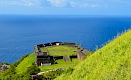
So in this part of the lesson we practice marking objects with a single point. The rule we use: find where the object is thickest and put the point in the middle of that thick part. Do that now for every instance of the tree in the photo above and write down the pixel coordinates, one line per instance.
(32, 70)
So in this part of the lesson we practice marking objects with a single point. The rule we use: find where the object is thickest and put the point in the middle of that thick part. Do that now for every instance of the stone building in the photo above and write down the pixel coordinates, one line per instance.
(44, 58)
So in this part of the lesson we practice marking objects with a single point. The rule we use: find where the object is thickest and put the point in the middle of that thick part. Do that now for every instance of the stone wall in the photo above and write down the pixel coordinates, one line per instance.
(58, 57)
(81, 53)
(70, 44)
(67, 58)
(57, 43)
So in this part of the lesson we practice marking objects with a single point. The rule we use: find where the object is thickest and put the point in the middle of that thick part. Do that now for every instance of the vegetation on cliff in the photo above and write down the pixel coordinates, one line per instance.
(111, 62)
(25, 67)
(19, 72)
(27, 62)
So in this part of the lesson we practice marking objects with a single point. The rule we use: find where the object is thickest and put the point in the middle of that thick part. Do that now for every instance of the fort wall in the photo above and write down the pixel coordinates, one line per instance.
(44, 57)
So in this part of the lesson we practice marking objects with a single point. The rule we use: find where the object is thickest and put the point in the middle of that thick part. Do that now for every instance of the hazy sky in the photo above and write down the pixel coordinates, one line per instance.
(66, 7)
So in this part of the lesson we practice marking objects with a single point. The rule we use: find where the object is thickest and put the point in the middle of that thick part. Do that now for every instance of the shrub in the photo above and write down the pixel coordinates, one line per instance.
(33, 69)
(69, 70)
(52, 74)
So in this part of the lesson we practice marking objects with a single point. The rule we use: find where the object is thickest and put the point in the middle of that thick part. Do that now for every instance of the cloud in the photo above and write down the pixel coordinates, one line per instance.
(27, 2)
(40, 3)
(52, 3)
(73, 4)
(58, 3)
(19, 2)
(94, 5)
(119, 1)
(84, 5)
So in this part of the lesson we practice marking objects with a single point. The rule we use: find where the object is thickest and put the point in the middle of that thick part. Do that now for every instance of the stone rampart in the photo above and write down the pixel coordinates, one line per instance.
(41, 56)
(82, 53)
(70, 44)
(67, 58)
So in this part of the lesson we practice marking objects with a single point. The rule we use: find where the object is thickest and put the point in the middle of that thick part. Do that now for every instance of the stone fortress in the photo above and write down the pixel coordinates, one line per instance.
(44, 58)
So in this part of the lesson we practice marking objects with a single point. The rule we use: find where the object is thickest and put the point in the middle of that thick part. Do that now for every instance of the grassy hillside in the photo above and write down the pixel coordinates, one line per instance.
(113, 62)
(27, 62)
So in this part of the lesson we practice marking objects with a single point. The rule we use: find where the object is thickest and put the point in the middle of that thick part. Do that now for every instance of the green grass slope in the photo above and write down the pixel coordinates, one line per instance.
(27, 62)
(61, 64)
(112, 62)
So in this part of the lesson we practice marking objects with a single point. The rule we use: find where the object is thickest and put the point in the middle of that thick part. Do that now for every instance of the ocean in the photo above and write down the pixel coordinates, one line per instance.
(19, 33)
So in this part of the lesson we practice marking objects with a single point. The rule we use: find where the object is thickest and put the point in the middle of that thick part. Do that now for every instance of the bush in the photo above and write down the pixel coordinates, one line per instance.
(52, 74)
(69, 70)
(10, 74)
(33, 69)
(24, 76)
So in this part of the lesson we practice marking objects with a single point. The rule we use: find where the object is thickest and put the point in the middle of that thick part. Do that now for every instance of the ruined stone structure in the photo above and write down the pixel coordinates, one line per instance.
(44, 58)
(82, 53)
(4, 66)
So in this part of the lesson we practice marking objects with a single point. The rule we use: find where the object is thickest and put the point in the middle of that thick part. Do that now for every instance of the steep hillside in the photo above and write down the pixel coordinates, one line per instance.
(113, 61)
(27, 62)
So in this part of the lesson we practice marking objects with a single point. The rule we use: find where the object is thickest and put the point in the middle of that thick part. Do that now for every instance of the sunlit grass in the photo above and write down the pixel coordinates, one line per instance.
(112, 62)
(61, 64)
(61, 50)
(0, 75)
(43, 49)
(27, 62)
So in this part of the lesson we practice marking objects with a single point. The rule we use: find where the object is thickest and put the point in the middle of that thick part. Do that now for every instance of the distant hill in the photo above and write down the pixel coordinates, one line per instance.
(113, 61)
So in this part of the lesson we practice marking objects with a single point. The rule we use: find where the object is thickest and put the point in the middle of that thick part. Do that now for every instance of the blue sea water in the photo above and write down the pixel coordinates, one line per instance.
(19, 33)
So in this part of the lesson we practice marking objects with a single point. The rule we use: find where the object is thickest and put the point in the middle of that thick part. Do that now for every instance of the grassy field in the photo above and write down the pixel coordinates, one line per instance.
(43, 49)
(61, 64)
(0, 75)
(27, 62)
(60, 50)
(111, 62)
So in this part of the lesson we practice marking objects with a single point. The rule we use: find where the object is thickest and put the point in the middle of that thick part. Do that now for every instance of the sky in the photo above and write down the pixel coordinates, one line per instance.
(66, 7)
